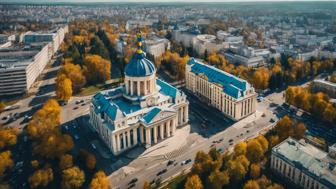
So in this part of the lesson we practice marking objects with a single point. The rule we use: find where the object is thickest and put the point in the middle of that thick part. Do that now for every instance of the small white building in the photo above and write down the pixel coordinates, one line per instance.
(156, 46)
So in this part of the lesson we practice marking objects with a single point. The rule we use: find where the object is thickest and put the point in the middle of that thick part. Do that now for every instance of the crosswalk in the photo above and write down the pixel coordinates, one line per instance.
(179, 151)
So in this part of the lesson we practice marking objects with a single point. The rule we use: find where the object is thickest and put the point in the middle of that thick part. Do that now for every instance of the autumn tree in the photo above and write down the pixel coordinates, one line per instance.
(237, 168)
(65, 161)
(146, 185)
(41, 178)
(54, 145)
(75, 74)
(260, 78)
(240, 149)
(193, 182)
(63, 88)
(218, 179)
(72, 178)
(255, 170)
(6, 162)
(255, 151)
(251, 184)
(99, 181)
(91, 161)
(8, 137)
(284, 127)
(2, 106)
(45, 120)
(97, 69)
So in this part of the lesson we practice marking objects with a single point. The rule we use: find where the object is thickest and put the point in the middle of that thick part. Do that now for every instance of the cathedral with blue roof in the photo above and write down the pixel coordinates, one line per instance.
(143, 111)
(233, 96)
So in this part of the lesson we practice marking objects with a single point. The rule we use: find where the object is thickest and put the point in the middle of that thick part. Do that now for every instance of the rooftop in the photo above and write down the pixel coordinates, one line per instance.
(309, 159)
(232, 85)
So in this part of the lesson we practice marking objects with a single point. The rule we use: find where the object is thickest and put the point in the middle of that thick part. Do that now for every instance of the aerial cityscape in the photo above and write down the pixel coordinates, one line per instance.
(167, 94)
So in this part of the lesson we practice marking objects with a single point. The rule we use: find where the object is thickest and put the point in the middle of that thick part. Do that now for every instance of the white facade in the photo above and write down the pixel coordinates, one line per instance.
(156, 46)
(209, 43)
(20, 68)
(234, 97)
(303, 165)
(144, 111)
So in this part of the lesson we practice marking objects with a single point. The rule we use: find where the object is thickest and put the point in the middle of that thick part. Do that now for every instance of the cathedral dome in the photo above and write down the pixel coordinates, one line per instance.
(139, 66)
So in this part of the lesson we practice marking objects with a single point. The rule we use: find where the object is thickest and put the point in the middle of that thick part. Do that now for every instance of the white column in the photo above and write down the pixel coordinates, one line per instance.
(173, 126)
(185, 116)
(114, 142)
(124, 140)
(148, 136)
(138, 88)
(126, 86)
(155, 134)
(118, 143)
(161, 131)
(145, 87)
(135, 137)
(131, 88)
(142, 135)
(129, 138)
(168, 128)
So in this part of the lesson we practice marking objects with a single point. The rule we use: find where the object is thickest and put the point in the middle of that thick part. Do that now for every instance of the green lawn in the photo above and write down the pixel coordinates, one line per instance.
(89, 90)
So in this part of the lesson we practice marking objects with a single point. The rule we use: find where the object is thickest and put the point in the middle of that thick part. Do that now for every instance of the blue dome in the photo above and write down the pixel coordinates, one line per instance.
(139, 66)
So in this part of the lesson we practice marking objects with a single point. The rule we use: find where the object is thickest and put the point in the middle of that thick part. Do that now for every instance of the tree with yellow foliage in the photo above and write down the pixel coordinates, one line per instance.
(240, 149)
(217, 179)
(237, 168)
(63, 88)
(75, 74)
(54, 145)
(45, 120)
(251, 184)
(260, 78)
(6, 162)
(41, 178)
(99, 181)
(255, 151)
(193, 182)
(97, 69)
(72, 178)
(255, 170)
(8, 137)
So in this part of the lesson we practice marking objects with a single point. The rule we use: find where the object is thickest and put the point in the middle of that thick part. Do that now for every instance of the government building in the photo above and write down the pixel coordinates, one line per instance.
(143, 111)
(231, 95)
(304, 165)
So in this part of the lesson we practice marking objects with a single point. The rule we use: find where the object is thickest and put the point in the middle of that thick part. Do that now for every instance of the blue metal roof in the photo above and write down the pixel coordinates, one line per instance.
(150, 115)
(102, 104)
(139, 66)
(167, 89)
(232, 85)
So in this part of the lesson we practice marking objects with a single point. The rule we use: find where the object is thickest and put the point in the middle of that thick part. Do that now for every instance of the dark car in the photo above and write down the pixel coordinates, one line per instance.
(133, 181)
(170, 162)
(231, 140)
(131, 185)
(188, 161)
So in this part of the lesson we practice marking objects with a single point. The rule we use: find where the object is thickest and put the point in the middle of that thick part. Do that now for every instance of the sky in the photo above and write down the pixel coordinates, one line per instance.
(41, 1)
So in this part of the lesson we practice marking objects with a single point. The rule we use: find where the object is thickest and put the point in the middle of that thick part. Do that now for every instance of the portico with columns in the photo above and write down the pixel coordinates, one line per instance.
(143, 111)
